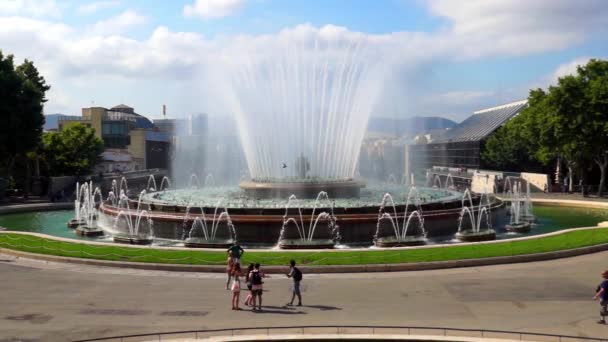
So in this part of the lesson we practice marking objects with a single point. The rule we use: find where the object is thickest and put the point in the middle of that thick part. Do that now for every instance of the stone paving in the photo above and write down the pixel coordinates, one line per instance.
(42, 301)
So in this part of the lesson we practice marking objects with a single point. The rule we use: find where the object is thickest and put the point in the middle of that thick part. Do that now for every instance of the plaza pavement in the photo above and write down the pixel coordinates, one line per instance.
(59, 302)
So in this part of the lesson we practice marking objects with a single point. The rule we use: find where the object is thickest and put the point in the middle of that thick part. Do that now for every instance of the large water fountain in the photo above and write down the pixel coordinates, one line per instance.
(301, 104)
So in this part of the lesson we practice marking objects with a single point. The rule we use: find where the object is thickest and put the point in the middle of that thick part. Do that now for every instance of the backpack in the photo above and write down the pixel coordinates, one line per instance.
(256, 278)
(297, 274)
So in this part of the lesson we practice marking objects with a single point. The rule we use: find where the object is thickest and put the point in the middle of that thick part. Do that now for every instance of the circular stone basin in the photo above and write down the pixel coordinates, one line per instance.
(521, 227)
(472, 236)
(392, 241)
(73, 223)
(89, 231)
(306, 244)
(133, 239)
(199, 242)
(528, 218)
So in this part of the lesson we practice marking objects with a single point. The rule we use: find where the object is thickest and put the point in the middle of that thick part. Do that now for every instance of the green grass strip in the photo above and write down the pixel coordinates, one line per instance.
(568, 240)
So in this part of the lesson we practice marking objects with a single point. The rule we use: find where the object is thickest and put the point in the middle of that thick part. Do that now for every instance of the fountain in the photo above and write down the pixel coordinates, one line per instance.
(151, 185)
(527, 214)
(400, 236)
(131, 232)
(165, 184)
(77, 220)
(306, 234)
(210, 238)
(194, 183)
(517, 224)
(475, 232)
(437, 182)
(85, 207)
(301, 109)
(449, 182)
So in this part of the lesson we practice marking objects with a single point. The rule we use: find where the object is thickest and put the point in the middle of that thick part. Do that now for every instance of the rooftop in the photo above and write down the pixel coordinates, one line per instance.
(482, 123)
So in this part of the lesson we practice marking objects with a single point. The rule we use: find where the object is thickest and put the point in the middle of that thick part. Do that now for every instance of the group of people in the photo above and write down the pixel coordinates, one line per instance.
(253, 278)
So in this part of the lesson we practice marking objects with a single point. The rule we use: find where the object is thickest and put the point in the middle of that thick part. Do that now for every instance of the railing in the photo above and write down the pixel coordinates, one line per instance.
(350, 330)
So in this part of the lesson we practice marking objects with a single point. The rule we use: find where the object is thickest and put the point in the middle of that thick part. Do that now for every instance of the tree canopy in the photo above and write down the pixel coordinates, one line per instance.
(22, 97)
(568, 122)
(73, 151)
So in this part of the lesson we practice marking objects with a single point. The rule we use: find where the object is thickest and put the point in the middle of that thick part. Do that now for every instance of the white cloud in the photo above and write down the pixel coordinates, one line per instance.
(568, 68)
(520, 27)
(33, 8)
(69, 56)
(118, 24)
(207, 9)
(94, 7)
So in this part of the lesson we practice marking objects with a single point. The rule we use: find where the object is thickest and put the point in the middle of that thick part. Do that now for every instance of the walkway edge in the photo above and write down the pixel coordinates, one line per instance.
(420, 266)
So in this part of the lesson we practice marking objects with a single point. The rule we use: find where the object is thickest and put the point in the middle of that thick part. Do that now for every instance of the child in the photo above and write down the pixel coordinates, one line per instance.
(602, 294)
(236, 286)
(249, 299)
(229, 267)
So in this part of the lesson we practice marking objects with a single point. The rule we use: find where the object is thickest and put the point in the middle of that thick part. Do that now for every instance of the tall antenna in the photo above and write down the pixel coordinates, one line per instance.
(164, 112)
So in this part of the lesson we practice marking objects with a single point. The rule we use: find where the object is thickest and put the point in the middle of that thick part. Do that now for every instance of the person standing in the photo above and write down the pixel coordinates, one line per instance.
(296, 275)
(229, 266)
(236, 251)
(256, 286)
(249, 299)
(602, 295)
(236, 286)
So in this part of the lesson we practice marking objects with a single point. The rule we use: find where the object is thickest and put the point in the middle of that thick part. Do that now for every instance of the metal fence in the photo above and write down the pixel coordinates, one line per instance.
(343, 330)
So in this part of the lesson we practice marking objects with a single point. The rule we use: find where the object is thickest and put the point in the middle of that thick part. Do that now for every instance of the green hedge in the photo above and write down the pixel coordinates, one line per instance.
(567, 240)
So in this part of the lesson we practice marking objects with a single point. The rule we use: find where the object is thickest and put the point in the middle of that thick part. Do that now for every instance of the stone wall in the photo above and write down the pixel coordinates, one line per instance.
(484, 182)
(538, 181)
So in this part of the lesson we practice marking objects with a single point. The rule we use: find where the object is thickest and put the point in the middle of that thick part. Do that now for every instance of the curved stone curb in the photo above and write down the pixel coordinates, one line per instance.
(419, 266)
(22, 208)
(348, 337)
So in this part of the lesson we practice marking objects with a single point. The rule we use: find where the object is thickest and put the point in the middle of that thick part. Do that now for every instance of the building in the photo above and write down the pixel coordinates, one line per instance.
(131, 141)
(461, 146)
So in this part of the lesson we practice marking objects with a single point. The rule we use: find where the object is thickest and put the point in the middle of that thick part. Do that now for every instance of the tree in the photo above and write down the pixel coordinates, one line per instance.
(22, 97)
(594, 80)
(508, 149)
(73, 151)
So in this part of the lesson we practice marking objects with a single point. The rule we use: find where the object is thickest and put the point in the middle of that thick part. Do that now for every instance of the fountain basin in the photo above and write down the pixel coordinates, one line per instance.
(199, 242)
(521, 227)
(306, 244)
(89, 231)
(473, 236)
(392, 241)
(133, 239)
(73, 223)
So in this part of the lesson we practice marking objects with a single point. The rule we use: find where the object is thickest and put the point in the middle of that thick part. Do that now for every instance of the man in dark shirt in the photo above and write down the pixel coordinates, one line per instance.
(602, 295)
(296, 275)
(236, 251)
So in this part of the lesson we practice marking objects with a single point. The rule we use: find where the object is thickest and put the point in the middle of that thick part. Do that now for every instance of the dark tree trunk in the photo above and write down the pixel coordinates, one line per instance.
(570, 177)
(28, 178)
(603, 164)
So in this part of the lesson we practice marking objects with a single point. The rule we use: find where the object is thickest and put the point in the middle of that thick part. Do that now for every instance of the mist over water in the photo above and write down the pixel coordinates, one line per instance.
(302, 100)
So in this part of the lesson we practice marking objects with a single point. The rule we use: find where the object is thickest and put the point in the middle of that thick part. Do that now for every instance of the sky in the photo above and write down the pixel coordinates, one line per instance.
(442, 57)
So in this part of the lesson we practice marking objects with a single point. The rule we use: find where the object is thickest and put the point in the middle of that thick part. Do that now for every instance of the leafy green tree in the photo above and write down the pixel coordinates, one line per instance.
(22, 97)
(73, 151)
(567, 123)
(594, 80)
(507, 149)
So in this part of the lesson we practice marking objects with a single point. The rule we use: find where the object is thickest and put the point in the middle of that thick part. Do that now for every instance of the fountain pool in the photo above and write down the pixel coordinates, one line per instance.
(548, 219)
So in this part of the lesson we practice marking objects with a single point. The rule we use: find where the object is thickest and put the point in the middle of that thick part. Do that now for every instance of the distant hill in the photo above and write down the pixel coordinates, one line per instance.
(52, 120)
(408, 126)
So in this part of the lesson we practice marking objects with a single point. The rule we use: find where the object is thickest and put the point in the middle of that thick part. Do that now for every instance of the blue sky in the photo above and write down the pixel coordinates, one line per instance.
(448, 58)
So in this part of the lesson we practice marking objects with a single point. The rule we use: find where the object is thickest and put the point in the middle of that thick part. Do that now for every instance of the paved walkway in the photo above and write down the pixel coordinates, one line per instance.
(57, 302)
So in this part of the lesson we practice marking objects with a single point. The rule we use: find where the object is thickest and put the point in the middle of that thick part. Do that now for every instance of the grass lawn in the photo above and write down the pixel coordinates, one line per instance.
(567, 240)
